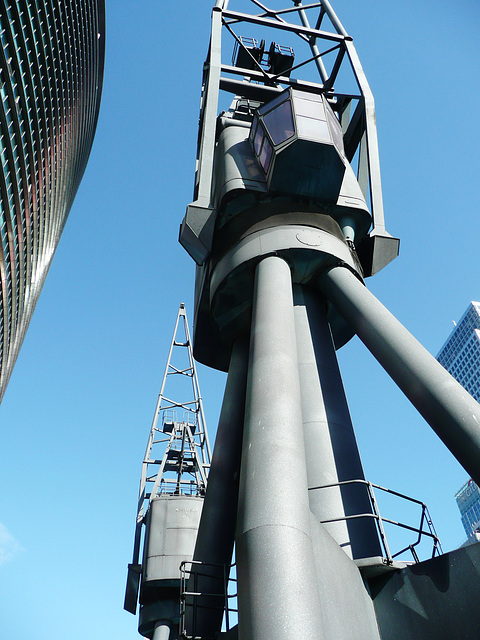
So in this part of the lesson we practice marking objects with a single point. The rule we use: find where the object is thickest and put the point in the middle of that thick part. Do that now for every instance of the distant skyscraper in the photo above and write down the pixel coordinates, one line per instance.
(51, 71)
(468, 501)
(460, 355)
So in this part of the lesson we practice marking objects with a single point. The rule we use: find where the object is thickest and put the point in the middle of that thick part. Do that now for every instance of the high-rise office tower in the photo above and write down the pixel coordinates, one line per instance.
(468, 501)
(51, 72)
(460, 355)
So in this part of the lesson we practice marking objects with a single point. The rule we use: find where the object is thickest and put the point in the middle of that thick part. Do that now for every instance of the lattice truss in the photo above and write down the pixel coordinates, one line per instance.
(314, 43)
(271, 49)
(177, 457)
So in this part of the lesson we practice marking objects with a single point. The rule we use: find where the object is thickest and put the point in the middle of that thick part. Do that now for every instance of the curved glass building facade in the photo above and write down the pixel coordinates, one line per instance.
(51, 72)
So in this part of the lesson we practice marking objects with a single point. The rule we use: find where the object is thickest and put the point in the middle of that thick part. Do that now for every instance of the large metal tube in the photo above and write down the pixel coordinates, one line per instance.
(451, 412)
(162, 632)
(330, 444)
(216, 532)
(277, 585)
(315, 50)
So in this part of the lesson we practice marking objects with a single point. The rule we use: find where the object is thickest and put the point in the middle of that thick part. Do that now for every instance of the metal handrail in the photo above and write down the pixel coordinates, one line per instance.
(420, 530)
(188, 589)
(185, 576)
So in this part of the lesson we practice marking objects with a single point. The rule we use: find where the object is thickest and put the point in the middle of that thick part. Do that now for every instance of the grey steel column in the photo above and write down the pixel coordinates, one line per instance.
(451, 412)
(216, 532)
(330, 444)
(277, 586)
(162, 632)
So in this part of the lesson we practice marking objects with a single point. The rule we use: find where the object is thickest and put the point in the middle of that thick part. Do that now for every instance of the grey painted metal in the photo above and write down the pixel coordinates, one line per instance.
(370, 125)
(320, 456)
(209, 112)
(307, 250)
(173, 483)
(372, 142)
(295, 578)
(197, 230)
(271, 91)
(162, 632)
(303, 161)
(161, 612)
(333, 17)
(347, 609)
(197, 226)
(314, 47)
(369, 160)
(318, 247)
(277, 584)
(434, 600)
(452, 413)
(239, 169)
(197, 441)
(171, 531)
(216, 532)
(283, 26)
(331, 449)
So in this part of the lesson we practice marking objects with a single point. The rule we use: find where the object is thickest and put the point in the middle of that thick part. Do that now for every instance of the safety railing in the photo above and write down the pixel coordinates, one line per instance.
(425, 529)
(195, 575)
(171, 487)
(193, 598)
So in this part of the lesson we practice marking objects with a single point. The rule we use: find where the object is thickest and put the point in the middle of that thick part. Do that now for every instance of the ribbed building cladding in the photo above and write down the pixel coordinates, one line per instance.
(460, 355)
(468, 501)
(51, 71)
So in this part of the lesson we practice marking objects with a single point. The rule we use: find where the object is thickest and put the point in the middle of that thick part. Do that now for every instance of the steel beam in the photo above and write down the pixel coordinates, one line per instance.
(451, 412)
(236, 16)
(331, 448)
(216, 531)
(277, 584)
(162, 632)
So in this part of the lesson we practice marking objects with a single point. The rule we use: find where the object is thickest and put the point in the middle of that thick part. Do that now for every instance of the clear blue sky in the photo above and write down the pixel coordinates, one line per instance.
(77, 411)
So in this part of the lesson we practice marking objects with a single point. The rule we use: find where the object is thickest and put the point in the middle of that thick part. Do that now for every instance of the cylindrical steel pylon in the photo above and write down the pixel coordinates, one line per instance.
(216, 533)
(450, 410)
(277, 585)
(330, 445)
(277, 201)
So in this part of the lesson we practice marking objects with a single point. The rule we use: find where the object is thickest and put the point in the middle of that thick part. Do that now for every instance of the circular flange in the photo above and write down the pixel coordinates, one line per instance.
(307, 250)
(309, 237)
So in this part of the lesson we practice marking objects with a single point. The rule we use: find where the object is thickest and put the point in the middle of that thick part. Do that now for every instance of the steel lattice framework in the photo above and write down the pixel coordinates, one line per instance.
(285, 225)
(175, 465)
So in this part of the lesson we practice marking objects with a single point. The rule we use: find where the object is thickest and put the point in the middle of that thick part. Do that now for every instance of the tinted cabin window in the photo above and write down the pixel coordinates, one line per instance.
(279, 123)
(266, 154)
(258, 139)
